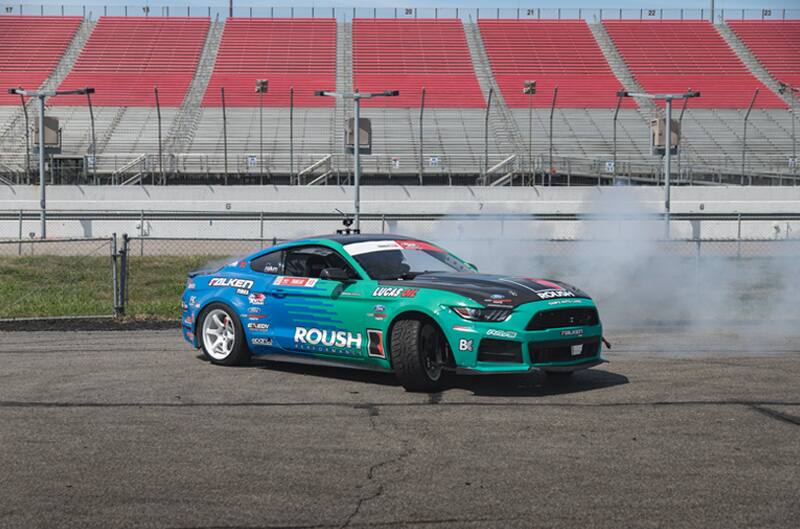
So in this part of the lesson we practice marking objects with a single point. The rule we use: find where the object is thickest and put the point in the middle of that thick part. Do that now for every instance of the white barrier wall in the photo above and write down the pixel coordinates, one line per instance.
(618, 202)
(405, 200)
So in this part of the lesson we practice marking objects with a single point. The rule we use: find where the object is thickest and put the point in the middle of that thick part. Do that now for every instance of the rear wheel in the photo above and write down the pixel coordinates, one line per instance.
(222, 336)
(418, 352)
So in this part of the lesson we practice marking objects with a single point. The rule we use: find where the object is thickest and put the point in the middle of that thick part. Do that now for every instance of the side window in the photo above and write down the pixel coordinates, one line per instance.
(310, 261)
(269, 263)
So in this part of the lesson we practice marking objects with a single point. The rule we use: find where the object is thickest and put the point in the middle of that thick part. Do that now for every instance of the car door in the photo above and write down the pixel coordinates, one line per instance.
(260, 320)
(318, 316)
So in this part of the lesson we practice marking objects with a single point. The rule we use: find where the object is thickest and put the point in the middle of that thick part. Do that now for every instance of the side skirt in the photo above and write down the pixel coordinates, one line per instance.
(310, 360)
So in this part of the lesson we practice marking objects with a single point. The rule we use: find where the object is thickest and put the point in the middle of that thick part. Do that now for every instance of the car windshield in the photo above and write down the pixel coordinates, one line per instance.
(403, 259)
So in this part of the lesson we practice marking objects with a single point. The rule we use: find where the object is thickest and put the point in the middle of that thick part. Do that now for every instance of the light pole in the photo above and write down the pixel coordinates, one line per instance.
(550, 148)
(27, 139)
(89, 92)
(529, 89)
(668, 99)
(486, 138)
(357, 97)
(421, 110)
(744, 136)
(42, 95)
(160, 157)
(262, 85)
(620, 95)
(792, 91)
(224, 133)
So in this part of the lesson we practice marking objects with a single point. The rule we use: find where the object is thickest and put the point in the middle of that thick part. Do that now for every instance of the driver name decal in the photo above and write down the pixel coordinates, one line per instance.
(288, 281)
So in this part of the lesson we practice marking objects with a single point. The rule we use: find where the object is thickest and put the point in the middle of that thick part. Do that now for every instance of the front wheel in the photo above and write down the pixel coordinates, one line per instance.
(222, 336)
(418, 352)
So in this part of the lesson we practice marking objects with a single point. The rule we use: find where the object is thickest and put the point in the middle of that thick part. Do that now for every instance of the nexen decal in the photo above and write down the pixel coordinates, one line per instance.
(550, 294)
(230, 282)
(328, 338)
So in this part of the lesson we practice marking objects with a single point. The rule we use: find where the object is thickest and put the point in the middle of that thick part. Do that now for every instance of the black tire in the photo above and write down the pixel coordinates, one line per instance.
(238, 353)
(417, 349)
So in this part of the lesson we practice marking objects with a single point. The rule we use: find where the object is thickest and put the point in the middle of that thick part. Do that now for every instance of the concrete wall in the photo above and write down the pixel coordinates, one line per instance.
(617, 201)
(398, 199)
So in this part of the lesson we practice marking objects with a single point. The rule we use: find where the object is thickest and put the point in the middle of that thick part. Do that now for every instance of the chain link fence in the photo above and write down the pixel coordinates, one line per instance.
(631, 277)
(58, 278)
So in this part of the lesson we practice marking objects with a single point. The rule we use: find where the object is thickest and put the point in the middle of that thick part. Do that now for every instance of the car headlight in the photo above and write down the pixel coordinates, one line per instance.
(471, 314)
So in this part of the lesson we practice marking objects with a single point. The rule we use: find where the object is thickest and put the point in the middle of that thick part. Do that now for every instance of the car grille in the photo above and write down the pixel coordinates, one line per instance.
(572, 317)
(492, 350)
(561, 353)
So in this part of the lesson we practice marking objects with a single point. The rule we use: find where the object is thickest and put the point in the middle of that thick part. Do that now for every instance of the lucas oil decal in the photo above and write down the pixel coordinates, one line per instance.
(394, 292)
(287, 281)
(327, 340)
(230, 282)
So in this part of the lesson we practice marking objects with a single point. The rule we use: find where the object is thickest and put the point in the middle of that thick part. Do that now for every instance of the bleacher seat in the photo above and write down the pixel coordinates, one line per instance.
(776, 45)
(561, 53)
(299, 53)
(407, 55)
(674, 55)
(30, 48)
(126, 57)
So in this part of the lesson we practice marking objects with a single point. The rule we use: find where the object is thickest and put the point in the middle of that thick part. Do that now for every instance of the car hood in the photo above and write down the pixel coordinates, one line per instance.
(493, 290)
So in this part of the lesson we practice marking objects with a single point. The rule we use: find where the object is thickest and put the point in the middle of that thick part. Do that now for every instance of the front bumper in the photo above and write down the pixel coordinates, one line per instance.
(509, 347)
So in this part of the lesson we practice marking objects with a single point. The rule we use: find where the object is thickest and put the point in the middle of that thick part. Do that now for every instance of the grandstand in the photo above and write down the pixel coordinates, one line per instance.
(459, 63)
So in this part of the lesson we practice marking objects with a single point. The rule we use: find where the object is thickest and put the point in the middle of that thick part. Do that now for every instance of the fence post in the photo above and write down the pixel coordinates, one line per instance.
(19, 246)
(738, 235)
(114, 277)
(123, 281)
(261, 229)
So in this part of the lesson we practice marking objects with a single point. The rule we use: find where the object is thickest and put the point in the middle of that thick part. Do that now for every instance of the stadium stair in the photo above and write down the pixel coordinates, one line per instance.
(184, 127)
(503, 126)
(746, 56)
(69, 32)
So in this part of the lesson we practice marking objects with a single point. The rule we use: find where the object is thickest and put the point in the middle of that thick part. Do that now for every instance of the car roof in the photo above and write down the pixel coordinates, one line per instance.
(345, 239)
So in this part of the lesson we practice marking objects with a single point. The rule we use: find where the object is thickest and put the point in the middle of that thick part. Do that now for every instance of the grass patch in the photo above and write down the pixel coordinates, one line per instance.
(52, 286)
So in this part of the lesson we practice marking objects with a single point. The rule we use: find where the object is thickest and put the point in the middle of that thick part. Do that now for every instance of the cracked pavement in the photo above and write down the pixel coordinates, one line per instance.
(683, 428)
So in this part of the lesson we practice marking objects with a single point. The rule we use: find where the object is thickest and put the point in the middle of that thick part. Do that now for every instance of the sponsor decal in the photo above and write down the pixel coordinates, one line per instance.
(465, 345)
(189, 336)
(188, 320)
(184, 306)
(572, 332)
(379, 308)
(550, 294)
(498, 301)
(395, 292)
(351, 294)
(242, 264)
(576, 350)
(190, 285)
(327, 340)
(256, 298)
(243, 291)
(258, 326)
(501, 334)
(375, 343)
(192, 300)
(288, 281)
(418, 245)
(234, 282)
(358, 248)
(270, 269)
(254, 310)
(256, 316)
(564, 301)
(262, 341)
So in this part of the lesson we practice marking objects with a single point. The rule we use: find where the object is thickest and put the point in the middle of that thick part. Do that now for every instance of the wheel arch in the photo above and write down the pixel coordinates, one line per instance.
(201, 313)
(415, 314)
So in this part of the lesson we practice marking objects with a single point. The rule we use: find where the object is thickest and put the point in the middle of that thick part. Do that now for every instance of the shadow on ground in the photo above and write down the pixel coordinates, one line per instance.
(534, 384)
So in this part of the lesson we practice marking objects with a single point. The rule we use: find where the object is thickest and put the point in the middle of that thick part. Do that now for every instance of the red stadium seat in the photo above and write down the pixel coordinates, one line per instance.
(126, 57)
(297, 52)
(407, 55)
(30, 48)
(776, 45)
(560, 53)
(674, 55)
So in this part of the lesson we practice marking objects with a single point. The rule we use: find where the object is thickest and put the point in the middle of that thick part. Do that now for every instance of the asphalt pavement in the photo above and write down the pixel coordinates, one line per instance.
(695, 428)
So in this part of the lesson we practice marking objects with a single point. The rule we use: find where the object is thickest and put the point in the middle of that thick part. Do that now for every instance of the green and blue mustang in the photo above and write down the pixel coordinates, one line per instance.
(388, 303)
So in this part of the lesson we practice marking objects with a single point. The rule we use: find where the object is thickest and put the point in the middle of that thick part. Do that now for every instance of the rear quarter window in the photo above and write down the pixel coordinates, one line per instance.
(268, 263)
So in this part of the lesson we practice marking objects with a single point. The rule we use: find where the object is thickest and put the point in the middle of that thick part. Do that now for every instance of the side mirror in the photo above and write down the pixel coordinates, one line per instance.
(334, 274)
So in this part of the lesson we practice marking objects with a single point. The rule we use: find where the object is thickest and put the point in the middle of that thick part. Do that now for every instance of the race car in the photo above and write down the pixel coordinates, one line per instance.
(387, 303)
